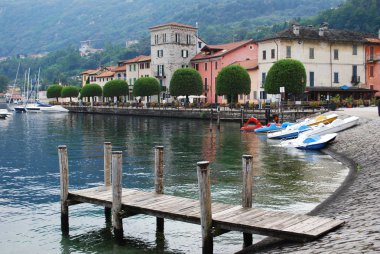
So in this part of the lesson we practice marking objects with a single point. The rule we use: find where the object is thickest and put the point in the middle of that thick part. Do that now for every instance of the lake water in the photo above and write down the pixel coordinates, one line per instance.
(284, 179)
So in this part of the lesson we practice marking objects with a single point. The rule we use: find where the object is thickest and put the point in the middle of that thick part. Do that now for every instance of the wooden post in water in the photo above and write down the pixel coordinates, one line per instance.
(117, 222)
(107, 174)
(64, 173)
(247, 164)
(204, 184)
(218, 118)
(159, 181)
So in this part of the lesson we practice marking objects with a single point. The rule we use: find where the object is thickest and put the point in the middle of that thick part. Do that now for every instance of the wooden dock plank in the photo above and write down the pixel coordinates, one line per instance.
(226, 217)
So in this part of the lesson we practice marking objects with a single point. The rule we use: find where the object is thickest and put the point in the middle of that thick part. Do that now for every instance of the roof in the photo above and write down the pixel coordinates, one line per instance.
(312, 33)
(211, 51)
(173, 24)
(106, 74)
(248, 64)
(120, 68)
(373, 40)
(137, 59)
(90, 72)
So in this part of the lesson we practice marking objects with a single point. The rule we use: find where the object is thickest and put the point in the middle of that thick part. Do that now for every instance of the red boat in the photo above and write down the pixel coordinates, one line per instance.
(251, 125)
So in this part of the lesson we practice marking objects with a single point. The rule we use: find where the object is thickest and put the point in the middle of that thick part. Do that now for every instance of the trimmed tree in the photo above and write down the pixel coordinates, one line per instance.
(69, 91)
(231, 81)
(146, 86)
(115, 88)
(288, 73)
(90, 91)
(186, 82)
(54, 91)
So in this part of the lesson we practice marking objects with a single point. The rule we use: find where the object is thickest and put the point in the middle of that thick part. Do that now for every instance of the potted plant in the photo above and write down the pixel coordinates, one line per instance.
(349, 101)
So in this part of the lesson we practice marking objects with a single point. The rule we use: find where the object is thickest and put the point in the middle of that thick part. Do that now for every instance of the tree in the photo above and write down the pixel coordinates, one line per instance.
(146, 86)
(115, 88)
(288, 73)
(90, 91)
(3, 83)
(231, 81)
(54, 91)
(186, 82)
(69, 91)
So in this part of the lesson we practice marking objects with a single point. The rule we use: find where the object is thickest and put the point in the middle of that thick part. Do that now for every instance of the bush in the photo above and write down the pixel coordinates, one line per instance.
(115, 88)
(186, 82)
(91, 90)
(54, 91)
(288, 73)
(69, 91)
(233, 80)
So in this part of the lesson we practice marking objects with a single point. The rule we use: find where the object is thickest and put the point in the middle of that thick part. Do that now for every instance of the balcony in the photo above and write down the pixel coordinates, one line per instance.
(355, 80)
(159, 75)
(373, 58)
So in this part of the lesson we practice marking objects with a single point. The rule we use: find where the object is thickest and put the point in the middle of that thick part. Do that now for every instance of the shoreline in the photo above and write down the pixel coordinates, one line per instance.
(355, 201)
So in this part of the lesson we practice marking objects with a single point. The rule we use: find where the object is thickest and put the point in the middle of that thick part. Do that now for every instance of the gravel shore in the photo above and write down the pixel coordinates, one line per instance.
(357, 201)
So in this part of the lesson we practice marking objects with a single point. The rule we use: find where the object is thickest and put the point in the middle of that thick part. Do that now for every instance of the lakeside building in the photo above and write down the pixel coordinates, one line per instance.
(333, 59)
(102, 75)
(136, 68)
(372, 49)
(212, 58)
(172, 47)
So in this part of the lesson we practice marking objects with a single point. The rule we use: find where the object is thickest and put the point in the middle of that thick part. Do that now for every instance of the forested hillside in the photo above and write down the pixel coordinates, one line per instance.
(33, 26)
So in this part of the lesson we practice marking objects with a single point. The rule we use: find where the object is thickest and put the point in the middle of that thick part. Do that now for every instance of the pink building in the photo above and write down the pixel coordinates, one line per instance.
(213, 58)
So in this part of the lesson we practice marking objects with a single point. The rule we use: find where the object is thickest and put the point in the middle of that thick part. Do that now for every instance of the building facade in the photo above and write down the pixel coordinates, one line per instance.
(172, 47)
(372, 57)
(136, 68)
(332, 58)
(213, 58)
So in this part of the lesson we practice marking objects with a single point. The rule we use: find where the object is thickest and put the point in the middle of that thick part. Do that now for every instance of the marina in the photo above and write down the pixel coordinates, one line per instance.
(30, 186)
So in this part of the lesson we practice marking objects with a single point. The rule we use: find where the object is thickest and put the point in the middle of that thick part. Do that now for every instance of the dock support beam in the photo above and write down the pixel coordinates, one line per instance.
(107, 174)
(64, 173)
(247, 163)
(159, 181)
(204, 183)
(117, 222)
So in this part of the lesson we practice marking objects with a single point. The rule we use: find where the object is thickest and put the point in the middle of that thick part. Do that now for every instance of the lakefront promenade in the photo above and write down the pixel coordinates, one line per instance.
(356, 201)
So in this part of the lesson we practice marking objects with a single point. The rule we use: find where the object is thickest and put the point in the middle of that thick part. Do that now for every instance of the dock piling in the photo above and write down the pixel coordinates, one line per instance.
(159, 181)
(107, 173)
(64, 181)
(117, 223)
(203, 173)
(247, 164)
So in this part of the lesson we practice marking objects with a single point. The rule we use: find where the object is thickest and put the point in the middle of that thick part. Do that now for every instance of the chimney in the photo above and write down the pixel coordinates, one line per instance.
(296, 29)
(320, 32)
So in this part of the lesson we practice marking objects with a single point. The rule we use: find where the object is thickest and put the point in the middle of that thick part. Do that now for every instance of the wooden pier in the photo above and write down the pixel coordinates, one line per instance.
(215, 218)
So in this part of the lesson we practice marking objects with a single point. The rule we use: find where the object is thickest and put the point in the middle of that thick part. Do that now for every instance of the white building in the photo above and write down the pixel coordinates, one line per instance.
(332, 58)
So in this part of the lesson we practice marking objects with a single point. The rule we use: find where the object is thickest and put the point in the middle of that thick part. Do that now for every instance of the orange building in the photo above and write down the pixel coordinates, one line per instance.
(372, 57)
(213, 58)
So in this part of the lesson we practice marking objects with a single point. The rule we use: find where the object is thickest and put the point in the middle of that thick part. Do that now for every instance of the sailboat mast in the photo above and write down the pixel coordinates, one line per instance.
(38, 82)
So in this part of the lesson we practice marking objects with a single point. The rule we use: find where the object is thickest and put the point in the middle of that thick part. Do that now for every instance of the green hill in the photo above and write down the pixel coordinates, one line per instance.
(47, 25)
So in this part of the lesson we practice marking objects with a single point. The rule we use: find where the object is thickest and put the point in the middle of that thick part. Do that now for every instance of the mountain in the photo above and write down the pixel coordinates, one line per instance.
(35, 26)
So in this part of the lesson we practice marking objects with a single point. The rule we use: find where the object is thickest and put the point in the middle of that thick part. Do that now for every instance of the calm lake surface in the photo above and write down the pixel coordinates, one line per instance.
(289, 180)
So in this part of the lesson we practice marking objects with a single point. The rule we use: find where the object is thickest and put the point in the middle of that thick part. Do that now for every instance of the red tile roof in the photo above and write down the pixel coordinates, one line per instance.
(90, 72)
(373, 40)
(137, 59)
(120, 68)
(106, 74)
(248, 64)
(211, 51)
(173, 24)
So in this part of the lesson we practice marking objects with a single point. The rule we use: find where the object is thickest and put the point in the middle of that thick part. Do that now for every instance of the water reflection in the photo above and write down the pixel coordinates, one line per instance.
(29, 180)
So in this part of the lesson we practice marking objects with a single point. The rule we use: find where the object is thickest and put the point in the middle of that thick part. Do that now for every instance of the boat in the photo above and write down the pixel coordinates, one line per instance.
(322, 119)
(289, 132)
(312, 142)
(4, 113)
(251, 125)
(47, 108)
(272, 127)
(336, 126)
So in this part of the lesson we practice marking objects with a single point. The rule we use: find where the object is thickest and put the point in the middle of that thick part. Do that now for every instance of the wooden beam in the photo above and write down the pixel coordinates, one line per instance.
(247, 163)
(107, 174)
(159, 181)
(203, 173)
(117, 223)
(64, 179)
